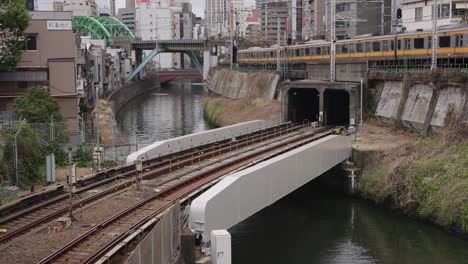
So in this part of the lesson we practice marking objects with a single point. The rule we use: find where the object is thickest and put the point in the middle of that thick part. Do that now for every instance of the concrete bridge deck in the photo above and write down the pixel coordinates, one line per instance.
(246, 192)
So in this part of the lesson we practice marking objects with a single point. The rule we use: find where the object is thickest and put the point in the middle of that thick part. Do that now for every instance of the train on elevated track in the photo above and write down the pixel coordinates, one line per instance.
(398, 49)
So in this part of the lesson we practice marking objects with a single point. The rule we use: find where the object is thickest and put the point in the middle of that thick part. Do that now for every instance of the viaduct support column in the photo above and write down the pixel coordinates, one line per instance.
(206, 63)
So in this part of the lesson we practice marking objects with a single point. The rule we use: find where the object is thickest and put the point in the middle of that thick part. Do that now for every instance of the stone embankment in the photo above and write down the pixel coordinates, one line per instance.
(240, 96)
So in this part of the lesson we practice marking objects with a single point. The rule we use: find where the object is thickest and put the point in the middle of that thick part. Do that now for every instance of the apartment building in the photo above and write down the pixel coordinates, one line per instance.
(48, 60)
(417, 14)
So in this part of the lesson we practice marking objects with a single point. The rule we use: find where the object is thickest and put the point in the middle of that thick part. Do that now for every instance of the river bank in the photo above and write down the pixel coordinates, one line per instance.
(220, 111)
(423, 177)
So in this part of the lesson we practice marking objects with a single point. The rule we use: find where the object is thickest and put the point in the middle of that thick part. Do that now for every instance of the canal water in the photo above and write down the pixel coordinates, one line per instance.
(172, 111)
(311, 225)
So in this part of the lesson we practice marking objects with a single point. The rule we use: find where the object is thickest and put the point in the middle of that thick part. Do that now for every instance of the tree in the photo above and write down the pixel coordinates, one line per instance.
(31, 153)
(40, 109)
(37, 106)
(14, 19)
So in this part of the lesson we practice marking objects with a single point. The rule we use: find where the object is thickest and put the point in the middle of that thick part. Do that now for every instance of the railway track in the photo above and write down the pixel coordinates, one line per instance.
(91, 246)
(24, 221)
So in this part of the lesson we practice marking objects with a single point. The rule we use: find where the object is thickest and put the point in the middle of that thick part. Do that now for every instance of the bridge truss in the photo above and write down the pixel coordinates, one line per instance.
(104, 27)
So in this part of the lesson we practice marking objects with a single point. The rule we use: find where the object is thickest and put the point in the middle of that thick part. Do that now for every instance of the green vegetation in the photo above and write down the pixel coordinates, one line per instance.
(211, 112)
(31, 161)
(433, 187)
(37, 109)
(14, 19)
(84, 157)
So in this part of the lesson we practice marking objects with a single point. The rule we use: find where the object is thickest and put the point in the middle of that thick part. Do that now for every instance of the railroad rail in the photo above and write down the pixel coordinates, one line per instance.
(24, 221)
(91, 247)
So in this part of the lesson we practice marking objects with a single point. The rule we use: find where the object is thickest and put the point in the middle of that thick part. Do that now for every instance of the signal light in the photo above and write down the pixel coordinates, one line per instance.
(399, 15)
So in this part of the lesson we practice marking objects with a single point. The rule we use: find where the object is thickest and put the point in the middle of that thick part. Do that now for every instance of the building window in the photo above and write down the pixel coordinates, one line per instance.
(418, 14)
(444, 11)
(30, 5)
(31, 42)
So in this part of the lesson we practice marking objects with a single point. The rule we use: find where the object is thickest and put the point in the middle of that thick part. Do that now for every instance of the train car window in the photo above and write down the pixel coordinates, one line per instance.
(368, 47)
(458, 40)
(359, 47)
(327, 51)
(385, 45)
(318, 51)
(392, 45)
(444, 42)
(376, 46)
(429, 42)
(344, 48)
(307, 51)
(272, 54)
(399, 44)
(408, 44)
(419, 43)
(297, 52)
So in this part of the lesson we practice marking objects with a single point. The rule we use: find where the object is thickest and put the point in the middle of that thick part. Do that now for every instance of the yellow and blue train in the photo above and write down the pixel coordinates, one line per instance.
(452, 49)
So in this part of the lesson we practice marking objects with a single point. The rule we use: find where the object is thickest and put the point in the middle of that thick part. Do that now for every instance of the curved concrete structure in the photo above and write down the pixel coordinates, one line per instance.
(182, 143)
(244, 193)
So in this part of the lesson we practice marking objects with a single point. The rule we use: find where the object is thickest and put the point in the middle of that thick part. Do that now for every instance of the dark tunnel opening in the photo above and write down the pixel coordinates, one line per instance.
(303, 104)
(336, 107)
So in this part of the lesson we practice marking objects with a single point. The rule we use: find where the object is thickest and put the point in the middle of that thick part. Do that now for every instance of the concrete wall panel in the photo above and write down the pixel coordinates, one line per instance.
(244, 193)
(450, 98)
(389, 100)
(417, 104)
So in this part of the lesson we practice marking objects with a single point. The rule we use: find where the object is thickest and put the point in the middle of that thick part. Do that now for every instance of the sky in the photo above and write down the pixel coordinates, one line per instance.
(198, 6)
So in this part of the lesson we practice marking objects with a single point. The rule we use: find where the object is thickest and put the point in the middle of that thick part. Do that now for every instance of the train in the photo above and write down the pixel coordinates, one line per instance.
(416, 46)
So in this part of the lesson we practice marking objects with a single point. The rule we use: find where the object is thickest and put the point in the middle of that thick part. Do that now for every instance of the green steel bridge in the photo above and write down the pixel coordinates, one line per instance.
(102, 27)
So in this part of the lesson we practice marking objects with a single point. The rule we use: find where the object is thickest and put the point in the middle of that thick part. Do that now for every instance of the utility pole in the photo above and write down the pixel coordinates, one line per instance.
(332, 9)
(435, 16)
(231, 31)
(266, 21)
(382, 18)
(98, 144)
(278, 40)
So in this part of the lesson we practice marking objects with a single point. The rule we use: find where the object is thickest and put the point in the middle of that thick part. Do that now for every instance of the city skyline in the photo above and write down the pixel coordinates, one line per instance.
(198, 6)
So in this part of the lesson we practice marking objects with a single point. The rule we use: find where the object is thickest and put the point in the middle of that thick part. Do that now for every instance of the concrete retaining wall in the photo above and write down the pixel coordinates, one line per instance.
(345, 72)
(126, 93)
(246, 192)
(182, 143)
(235, 84)
(422, 107)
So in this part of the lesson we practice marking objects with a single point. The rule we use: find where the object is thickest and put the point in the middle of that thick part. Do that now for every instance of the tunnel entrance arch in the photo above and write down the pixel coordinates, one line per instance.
(303, 104)
(336, 107)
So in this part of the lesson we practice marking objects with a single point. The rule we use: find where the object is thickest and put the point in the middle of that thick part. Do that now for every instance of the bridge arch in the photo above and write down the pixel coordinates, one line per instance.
(104, 27)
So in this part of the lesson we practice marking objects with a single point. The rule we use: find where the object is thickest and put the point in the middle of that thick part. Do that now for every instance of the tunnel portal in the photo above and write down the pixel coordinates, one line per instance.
(336, 107)
(303, 104)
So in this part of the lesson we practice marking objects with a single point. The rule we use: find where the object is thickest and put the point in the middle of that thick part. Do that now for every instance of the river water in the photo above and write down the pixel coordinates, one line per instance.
(311, 225)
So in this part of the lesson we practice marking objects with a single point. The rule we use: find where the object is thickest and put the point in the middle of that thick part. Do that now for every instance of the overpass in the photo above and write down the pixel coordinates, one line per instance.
(169, 75)
(186, 46)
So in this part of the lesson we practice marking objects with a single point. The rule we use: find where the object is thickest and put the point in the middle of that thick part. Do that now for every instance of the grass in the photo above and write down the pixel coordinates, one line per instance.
(211, 111)
(433, 187)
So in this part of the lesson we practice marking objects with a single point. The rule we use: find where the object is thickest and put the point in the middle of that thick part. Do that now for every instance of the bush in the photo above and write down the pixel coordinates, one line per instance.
(84, 156)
